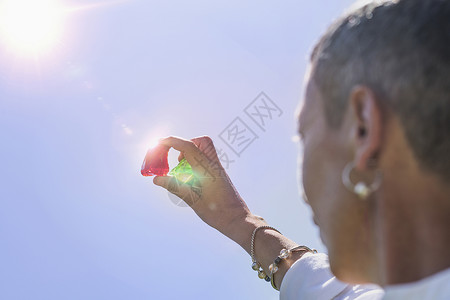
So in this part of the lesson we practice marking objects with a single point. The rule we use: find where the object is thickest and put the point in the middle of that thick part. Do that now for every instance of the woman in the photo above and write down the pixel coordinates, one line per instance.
(375, 125)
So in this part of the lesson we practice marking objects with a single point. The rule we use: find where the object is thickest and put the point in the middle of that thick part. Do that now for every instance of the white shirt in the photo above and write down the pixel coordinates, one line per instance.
(310, 278)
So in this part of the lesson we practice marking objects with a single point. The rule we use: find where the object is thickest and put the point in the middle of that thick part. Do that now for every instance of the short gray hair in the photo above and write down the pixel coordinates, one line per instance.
(401, 50)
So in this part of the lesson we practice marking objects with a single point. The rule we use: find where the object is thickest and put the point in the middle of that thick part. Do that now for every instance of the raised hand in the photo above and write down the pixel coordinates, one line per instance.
(212, 196)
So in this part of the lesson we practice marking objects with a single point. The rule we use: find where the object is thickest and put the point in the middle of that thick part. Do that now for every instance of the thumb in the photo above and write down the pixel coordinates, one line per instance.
(162, 181)
(190, 194)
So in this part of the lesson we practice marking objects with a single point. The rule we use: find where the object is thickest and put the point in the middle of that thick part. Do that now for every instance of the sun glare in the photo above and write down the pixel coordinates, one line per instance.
(30, 26)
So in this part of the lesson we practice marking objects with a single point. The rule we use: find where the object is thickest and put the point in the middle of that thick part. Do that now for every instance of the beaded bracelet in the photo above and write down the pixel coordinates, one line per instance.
(273, 268)
(255, 265)
(284, 254)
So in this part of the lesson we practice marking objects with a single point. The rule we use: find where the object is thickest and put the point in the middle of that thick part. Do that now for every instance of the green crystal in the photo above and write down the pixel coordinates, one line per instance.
(183, 172)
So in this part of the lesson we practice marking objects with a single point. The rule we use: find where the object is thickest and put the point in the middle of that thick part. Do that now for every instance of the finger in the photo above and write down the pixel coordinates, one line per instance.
(206, 145)
(164, 182)
(188, 148)
(189, 194)
(200, 162)
(180, 156)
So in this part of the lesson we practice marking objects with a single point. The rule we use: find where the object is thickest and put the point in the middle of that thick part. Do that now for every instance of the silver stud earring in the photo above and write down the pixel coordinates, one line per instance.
(361, 189)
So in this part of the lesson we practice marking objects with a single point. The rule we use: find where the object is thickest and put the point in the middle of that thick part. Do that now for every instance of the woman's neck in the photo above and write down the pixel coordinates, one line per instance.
(413, 230)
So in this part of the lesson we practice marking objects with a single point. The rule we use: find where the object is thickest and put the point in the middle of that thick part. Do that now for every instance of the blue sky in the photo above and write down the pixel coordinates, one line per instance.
(77, 220)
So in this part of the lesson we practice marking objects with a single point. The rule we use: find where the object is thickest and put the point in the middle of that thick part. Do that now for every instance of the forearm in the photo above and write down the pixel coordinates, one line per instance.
(268, 244)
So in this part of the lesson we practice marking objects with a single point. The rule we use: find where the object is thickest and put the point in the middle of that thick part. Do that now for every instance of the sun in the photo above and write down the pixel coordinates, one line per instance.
(30, 26)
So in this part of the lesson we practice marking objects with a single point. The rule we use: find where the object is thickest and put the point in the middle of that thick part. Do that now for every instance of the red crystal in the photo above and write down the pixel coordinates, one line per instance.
(155, 162)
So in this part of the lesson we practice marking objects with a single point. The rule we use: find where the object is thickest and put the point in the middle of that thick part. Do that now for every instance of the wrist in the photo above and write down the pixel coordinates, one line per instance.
(267, 245)
(241, 227)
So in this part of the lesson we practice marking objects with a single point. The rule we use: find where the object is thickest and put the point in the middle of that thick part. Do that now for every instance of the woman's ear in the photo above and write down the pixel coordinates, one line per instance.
(368, 127)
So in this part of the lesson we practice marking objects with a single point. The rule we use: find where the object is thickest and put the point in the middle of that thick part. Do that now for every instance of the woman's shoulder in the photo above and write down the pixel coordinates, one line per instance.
(310, 278)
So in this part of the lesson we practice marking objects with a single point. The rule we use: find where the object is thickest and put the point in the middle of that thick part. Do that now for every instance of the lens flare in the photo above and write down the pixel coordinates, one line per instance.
(35, 27)
(30, 26)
